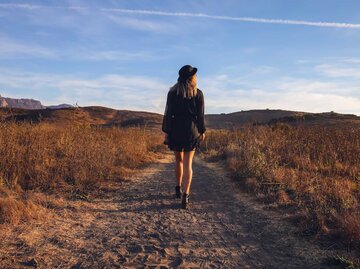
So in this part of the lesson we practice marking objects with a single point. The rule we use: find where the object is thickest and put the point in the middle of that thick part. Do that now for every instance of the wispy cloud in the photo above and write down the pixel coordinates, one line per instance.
(141, 24)
(334, 67)
(224, 93)
(339, 70)
(320, 86)
(193, 15)
(352, 60)
(112, 90)
(110, 55)
(229, 18)
(32, 6)
(231, 100)
(11, 48)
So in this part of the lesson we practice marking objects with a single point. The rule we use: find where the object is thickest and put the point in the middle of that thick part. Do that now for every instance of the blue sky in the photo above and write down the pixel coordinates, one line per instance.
(251, 54)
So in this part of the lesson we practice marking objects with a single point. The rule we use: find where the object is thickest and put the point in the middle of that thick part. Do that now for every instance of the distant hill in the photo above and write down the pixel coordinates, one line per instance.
(219, 121)
(325, 118)
(59, 106)
(93, 115)
(103, 116)
(268, 116)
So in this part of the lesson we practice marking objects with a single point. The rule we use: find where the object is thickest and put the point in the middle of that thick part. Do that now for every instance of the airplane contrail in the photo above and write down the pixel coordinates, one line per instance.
(229, 18)
(194, 15)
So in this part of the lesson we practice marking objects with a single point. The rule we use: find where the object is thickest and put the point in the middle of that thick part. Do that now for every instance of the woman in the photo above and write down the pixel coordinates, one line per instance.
(184, 126)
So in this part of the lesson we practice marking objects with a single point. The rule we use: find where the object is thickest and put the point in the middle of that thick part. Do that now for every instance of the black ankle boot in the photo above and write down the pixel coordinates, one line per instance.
(185, 201)
(177, 192)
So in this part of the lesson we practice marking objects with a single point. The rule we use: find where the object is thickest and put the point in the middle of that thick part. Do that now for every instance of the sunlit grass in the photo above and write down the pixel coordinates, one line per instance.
(52, 159)
(315, 168)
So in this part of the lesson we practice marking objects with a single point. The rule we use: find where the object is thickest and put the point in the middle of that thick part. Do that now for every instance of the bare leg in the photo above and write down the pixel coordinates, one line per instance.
(179, 157)
(188, 158)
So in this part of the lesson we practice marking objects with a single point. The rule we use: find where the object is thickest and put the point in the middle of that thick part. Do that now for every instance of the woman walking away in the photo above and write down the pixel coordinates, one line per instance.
(184, 126)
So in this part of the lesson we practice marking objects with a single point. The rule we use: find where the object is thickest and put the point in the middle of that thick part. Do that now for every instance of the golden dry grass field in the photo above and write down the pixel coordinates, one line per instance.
(315, 169)
(70, 160)
(311, 171)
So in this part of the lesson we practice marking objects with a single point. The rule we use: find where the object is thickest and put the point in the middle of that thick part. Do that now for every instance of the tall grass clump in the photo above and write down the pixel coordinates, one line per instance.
(316, 168)
(50, 158)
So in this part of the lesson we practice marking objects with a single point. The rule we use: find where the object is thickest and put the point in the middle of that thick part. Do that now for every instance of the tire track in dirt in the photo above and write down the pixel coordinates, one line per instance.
(139, 224)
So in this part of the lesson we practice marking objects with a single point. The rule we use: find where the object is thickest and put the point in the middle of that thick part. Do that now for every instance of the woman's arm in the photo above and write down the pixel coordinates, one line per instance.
(166, 124)
(200, 110)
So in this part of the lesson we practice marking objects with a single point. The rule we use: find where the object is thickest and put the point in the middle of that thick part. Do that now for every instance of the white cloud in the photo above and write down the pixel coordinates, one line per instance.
(351, 60)
(306, 86)
(117, 91)
(223, 92)
(317, 102)
(229, 18)
(263, 69)
(141, 24)
(294, 101)
(110, 55)
(311, 95)
(331, 70)
(10, 48)
(33, 7)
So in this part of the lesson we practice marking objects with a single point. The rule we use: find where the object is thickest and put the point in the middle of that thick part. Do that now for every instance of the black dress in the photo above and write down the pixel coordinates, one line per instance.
(184, 121)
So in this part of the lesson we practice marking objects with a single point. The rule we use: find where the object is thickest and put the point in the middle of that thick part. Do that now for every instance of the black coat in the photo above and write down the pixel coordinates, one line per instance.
(184, 119)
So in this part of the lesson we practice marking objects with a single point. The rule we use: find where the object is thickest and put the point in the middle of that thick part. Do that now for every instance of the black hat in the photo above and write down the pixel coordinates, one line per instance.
(186, 72)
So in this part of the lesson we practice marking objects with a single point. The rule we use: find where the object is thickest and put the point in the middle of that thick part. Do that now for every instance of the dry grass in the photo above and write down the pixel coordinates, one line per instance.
(51, 159)
(315, 168)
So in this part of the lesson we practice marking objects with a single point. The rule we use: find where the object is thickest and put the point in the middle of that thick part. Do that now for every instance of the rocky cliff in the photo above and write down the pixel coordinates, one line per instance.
(20, 103)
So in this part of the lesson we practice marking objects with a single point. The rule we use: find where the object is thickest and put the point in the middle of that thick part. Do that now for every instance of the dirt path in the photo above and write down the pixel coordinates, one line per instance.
(139, 224)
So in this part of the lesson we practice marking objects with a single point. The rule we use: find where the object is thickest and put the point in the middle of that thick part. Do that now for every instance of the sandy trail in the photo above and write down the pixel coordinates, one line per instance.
(139, 224)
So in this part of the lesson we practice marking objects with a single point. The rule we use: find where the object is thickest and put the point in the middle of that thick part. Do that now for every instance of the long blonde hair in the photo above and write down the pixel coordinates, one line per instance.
(187, 89)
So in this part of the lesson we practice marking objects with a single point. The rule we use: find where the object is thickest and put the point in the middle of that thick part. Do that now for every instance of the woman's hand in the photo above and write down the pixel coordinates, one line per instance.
(202, 137)
(166, 139)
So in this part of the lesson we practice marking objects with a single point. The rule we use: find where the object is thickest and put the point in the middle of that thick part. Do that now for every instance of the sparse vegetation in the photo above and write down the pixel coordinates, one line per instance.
(314, 168)
(52, 159)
